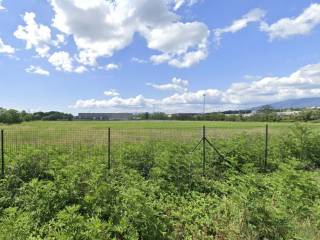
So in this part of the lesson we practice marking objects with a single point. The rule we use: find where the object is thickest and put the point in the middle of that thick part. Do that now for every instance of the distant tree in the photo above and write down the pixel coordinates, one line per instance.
(52, 116)
(146, 116)
(10, 116)
(26, 117)
(266, 109)
(37, 116)
(158, 116)
(266, 114)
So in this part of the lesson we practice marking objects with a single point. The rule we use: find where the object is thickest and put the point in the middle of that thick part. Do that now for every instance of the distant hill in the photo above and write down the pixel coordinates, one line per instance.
(296, 103)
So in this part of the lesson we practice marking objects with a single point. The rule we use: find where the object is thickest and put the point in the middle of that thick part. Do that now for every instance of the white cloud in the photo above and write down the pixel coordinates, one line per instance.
(1, 6)
(80, 69)
(179, 3)
(305, 82)
(162, 58)
(112, 66)
(36, 35)
(190, 58)
(62, 61)
(300, 25)
(112, 93)
(177, 84)
(100, 28)
(116, 102)
(60, 40)
(37, 70)
(213, 96)
(255, 15)
(176, 45)
(6, 49)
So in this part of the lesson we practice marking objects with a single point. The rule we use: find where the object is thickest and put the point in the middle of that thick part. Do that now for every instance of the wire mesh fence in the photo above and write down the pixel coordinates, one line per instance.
(108, 145)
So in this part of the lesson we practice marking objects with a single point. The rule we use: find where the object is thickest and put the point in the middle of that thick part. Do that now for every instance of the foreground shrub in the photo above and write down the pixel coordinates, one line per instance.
(157, 191)
(302, 144)
(15, 224)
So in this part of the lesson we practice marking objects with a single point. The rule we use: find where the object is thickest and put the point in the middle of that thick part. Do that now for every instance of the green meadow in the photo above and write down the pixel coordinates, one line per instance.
(151, 124)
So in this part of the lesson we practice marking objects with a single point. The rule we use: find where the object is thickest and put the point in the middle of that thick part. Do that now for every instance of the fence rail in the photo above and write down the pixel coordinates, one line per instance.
(83, 144)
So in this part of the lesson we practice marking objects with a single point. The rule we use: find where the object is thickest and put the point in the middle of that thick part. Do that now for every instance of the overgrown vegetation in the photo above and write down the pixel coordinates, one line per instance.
(157, 191)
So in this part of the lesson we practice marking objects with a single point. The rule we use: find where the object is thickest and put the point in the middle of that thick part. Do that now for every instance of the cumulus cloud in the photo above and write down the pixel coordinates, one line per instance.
(255, 15)
(39, 37)
(80, 69)
(176, 45)
(305, 82)
(6, 49)
(300, 25)
(36, 35)
(190, 58)
(37, 70)
(116, 102)
(112, 93)
(112, 66)
(62, 61)
(177, 84)
(100, 28)
(60, 40)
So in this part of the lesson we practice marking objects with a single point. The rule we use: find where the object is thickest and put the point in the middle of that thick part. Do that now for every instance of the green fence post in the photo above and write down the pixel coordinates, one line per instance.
(266, 153)
(2, 153)
(109, 148)
(204, 150)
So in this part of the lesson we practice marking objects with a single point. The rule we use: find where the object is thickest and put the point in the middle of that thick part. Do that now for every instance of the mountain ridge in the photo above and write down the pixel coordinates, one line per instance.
(295, 103)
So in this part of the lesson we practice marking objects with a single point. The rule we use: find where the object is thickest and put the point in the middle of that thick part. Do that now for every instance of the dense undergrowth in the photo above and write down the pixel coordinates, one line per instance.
(157, 191)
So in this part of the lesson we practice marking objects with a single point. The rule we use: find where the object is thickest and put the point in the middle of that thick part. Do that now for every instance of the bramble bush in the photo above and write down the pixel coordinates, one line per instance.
(157, 191)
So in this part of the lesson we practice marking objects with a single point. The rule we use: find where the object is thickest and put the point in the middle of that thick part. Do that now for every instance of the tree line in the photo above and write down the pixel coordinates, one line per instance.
(11, 116)
(262, 114)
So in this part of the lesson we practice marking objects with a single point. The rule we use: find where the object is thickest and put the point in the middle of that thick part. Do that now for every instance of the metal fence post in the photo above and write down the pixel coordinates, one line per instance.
(2, 153)
(266, 153)
(109, 148)
(204, 150)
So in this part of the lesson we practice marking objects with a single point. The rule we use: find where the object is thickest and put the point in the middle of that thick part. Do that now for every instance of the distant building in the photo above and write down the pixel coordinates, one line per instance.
(288, 113)
(105, 116)
(250, 114)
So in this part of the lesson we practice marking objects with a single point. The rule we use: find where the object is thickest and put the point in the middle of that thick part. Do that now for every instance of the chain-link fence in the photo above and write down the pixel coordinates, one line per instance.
(106, 145)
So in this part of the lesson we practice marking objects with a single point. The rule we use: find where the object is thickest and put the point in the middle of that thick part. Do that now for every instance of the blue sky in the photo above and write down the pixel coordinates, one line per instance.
(157, 55)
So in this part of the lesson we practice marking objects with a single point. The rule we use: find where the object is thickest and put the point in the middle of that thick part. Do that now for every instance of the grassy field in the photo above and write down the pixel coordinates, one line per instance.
(131, 131)
(151, 124)
(154, 125)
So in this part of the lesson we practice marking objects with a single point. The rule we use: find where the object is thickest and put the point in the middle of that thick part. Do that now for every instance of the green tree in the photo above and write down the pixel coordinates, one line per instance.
(10, 116)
